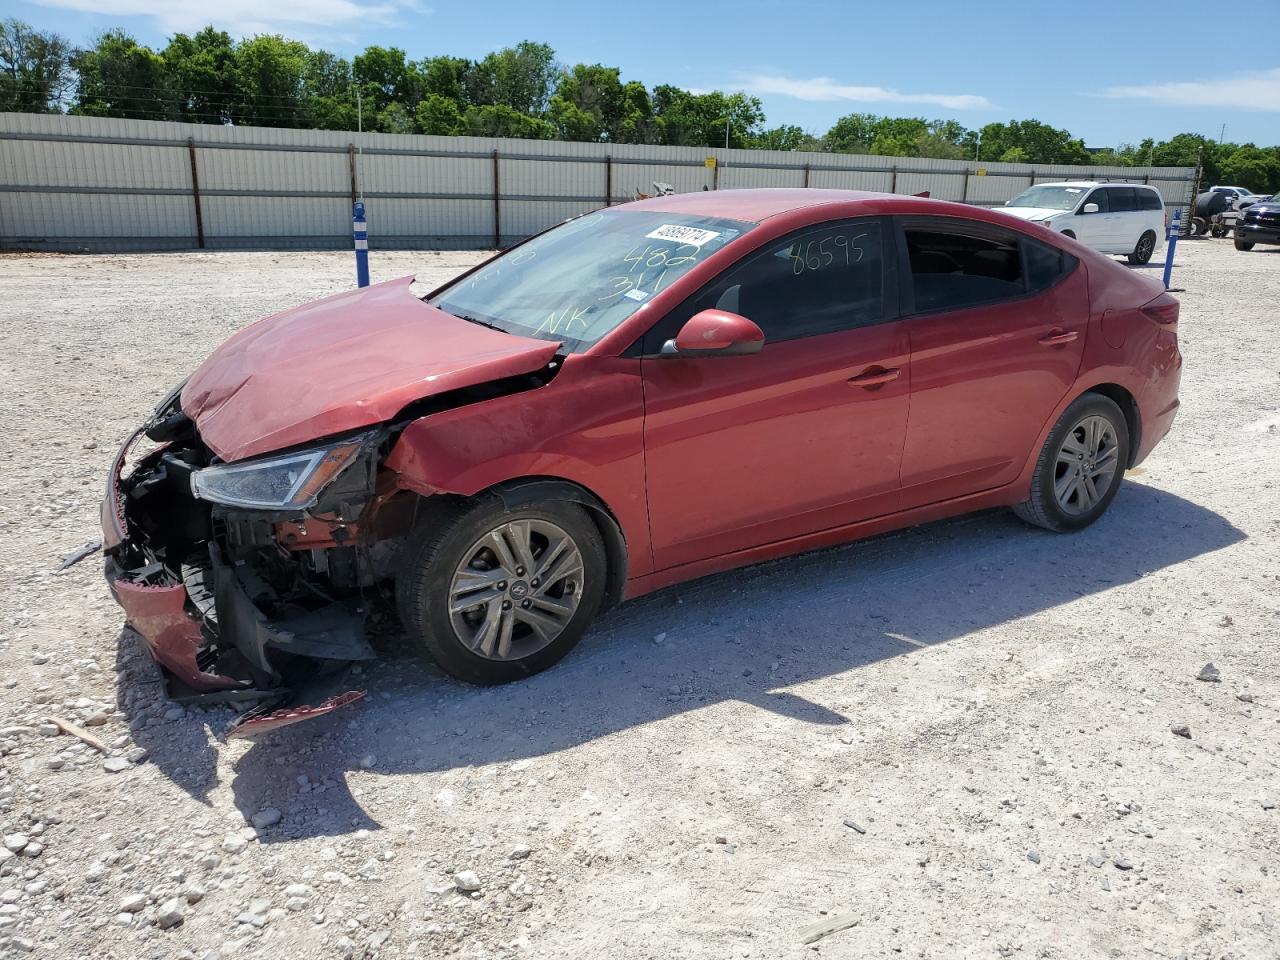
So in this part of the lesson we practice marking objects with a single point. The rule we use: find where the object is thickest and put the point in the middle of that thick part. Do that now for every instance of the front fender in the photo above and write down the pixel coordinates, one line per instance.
(585, 427)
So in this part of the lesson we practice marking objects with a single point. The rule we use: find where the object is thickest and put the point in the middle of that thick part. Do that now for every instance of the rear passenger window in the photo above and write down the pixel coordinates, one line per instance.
(1121, 199)
(1046, 265)
(1150, 200)
(953, 270)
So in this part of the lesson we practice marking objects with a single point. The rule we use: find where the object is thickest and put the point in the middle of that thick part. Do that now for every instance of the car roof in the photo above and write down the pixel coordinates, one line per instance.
(752, 205)
(1095, 183)
(755, 205)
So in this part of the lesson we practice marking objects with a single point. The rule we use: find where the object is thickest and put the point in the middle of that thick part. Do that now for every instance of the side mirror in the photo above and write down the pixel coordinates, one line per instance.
(1089, 208)
(715, 333)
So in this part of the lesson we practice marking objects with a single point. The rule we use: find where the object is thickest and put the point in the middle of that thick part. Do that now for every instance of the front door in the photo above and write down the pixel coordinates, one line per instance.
(997, 326)
(1095, 230)
(803, 436)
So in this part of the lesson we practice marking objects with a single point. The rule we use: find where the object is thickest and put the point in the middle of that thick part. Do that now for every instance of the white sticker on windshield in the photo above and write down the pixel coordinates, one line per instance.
(694, 236)
(636, 294)
(1074, 190)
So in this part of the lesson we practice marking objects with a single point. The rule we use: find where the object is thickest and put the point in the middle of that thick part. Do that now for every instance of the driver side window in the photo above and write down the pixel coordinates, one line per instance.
(1099, 197)
(819, 280)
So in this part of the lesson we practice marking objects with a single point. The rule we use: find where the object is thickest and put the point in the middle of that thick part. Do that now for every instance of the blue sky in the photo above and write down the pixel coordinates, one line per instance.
(1102, 70)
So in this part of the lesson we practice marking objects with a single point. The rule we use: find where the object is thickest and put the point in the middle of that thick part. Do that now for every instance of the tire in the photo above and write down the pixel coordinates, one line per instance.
(1217, 232)
(1054, 466)
(1198, 226)
(1142, 251)
(1245, 245)
(507, 635)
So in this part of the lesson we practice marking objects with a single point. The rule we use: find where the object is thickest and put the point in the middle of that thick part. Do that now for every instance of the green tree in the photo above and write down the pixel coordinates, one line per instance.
(707, 119)
(636, 121)
(785, 137)
(445, 77)
(592, 100)
(329, 102)
(1253, 167)
(384, 77)
(35, 69)
(269, 73)
(201, 74)
(572, 122)
(522, 78)
(1038, 142)
(439, 115)
(120, 78)
(500, 120)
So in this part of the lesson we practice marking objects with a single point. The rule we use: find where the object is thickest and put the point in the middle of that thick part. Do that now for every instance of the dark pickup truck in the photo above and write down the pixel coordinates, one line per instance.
(1259, 223)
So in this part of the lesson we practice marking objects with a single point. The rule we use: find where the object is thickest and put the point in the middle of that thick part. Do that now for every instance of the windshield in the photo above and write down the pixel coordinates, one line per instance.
(1049, 198)
(577, 282)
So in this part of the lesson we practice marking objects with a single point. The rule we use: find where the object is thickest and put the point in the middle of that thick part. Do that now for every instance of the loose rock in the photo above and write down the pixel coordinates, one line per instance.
(1209, 673)
(466, 881)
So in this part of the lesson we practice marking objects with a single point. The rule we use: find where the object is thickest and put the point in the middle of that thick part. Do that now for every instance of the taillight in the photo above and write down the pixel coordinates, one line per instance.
(1163, 310)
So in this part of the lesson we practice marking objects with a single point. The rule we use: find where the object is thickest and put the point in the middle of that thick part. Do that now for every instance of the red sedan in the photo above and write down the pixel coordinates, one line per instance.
(640, 396)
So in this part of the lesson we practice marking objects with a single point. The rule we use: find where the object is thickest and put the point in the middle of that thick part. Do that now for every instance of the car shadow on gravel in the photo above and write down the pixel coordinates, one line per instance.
(746, 636)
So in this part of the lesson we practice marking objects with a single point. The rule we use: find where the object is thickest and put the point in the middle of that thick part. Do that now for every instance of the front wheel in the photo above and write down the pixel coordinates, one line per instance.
(1145, 247)
(1243, 244)
(494, 595)
(1079, 469)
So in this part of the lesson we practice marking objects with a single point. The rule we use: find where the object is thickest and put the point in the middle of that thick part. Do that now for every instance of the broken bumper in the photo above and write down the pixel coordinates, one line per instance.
(202, 627)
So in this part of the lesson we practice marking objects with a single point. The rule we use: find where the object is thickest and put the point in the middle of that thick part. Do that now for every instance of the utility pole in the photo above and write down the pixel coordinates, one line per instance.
(726, 133)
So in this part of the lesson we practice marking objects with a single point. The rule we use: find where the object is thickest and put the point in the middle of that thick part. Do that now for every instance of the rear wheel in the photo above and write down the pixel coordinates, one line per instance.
(1243, 244)
(496, 595)
(1145, 247)
(1078, 472)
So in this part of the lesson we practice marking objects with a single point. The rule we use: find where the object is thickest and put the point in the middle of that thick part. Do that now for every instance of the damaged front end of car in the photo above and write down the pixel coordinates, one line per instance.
(250, 581)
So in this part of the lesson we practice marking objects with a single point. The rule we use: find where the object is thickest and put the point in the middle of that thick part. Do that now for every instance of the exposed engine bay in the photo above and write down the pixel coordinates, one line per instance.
(253, 582)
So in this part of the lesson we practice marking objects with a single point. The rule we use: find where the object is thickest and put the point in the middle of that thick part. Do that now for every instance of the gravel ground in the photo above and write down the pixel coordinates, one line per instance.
(959, 739)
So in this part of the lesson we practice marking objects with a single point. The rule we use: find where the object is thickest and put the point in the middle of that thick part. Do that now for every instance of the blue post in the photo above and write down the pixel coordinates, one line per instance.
(360, 229)
(1175, 228)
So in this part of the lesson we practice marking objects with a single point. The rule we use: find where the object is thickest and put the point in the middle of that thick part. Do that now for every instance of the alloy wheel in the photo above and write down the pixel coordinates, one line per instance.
(1146, 245)
(1087, 465)
(516, 589)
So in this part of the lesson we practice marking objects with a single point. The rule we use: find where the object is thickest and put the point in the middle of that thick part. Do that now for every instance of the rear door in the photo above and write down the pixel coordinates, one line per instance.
(805, 435)
(1127, 219)
(997, 325)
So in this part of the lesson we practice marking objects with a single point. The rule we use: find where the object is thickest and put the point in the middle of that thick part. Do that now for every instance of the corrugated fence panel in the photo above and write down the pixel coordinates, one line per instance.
(92, 183)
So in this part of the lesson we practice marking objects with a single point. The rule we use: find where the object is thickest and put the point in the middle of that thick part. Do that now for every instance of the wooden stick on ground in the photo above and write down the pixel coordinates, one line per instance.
(80, 733)
(816, 931)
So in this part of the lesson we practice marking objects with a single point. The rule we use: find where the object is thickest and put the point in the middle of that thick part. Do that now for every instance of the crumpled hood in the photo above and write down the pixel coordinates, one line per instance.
(348, 361)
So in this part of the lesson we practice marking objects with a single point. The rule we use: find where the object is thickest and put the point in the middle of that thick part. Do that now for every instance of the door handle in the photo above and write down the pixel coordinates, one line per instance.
(1057, 337)
(875, 377)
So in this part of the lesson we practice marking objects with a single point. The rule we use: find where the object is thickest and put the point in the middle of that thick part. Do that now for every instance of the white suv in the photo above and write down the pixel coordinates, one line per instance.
(1118, 218)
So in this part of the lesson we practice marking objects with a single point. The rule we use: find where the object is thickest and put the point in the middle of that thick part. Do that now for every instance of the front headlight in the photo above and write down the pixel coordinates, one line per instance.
(290, 481)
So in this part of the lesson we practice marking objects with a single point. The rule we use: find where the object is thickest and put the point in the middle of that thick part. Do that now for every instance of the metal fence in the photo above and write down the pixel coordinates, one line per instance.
(100, 184)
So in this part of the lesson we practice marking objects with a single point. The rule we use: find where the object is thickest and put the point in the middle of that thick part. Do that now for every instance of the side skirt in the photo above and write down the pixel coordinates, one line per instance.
(999, 497)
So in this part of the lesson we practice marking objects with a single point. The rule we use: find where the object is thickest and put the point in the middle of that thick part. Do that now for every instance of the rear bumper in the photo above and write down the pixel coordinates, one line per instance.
(212, 641)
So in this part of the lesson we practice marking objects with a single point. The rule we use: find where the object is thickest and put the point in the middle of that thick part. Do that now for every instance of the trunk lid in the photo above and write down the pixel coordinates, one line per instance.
(348, 361)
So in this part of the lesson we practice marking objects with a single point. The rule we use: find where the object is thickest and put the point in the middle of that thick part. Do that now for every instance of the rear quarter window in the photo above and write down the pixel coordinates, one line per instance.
(1150, 200)
(1045, 265)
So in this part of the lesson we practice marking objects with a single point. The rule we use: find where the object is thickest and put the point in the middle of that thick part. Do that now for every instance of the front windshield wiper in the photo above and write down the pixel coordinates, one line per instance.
(478, 322)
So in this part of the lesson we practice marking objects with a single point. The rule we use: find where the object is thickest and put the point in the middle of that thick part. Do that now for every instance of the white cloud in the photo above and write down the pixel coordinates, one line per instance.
(245, 17)
(826, 89)
(1253, 90)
